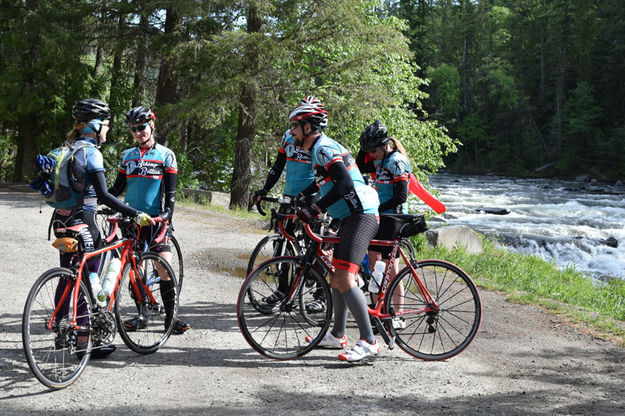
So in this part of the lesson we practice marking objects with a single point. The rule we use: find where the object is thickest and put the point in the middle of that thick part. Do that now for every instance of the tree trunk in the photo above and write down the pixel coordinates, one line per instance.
(138, 85)
(167, 78)
(543, 74)
(246, 129)
(116, 70)
(24, 165)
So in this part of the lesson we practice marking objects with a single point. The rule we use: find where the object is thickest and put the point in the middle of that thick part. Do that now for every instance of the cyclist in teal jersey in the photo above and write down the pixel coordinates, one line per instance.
(149, 172)
(299, 175)
(91, 125)
(346, 197)
(390, 164)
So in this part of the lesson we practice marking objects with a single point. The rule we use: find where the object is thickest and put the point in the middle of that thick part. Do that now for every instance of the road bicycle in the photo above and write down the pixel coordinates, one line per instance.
(283, 243)
(436, 301)
(176, 261)
(62, 321)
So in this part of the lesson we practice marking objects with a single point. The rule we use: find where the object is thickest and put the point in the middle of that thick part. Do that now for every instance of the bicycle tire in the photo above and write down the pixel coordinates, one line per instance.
(281, 331)
(177, 264)
(268, 248)
(53, 355)
(271, 246)
(148, 339)
(440, 334)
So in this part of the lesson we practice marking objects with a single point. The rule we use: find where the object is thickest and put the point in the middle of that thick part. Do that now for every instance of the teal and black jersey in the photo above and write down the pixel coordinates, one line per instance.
(144, 175)
(362, 199)
(299, 172)
(388, 171)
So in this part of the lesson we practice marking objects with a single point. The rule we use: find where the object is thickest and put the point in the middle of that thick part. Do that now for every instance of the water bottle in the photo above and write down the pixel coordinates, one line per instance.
(109, 278)
(375, 282)
(96, 287)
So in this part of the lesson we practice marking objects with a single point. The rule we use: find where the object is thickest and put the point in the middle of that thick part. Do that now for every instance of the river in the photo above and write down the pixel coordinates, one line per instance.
(572, 223)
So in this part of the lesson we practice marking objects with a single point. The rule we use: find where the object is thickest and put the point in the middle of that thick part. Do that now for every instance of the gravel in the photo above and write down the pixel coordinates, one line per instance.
(523, 361)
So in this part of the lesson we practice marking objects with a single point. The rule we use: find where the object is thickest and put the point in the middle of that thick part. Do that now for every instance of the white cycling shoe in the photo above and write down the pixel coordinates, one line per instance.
(360, 351)
(330, 341)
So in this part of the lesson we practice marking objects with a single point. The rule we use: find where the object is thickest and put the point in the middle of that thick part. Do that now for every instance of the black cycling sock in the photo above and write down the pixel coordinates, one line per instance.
(357, 304)
(168, 294)
(340, 314)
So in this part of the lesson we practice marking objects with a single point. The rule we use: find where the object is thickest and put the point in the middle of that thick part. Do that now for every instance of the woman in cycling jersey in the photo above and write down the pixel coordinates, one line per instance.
(91, 125)
(149, 173)
(386, 158)
(346, 197)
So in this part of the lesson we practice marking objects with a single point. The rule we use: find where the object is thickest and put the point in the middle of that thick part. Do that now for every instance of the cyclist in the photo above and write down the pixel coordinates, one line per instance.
(347, 198)
(389, 162)
(91, 125)
(149, 172)
(299, 175)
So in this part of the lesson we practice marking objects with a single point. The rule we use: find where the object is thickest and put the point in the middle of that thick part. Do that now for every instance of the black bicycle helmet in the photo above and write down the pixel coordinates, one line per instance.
(374, 136)
(139, 115)
(89, 109)
(311, 110)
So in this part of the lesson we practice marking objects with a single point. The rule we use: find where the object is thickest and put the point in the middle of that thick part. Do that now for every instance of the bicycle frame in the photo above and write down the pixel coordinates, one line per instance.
(127, 254)
(375, 312)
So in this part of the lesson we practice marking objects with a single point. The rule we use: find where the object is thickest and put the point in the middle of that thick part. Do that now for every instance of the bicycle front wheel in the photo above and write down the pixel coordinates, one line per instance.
(146, 303)
(428, 332)
(57, 354)
(284, 329)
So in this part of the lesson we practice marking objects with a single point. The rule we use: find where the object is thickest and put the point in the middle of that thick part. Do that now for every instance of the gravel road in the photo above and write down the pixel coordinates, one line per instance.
(523, 361)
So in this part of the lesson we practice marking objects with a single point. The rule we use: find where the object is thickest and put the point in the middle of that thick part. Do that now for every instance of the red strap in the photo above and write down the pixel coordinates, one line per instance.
(369, 158)
(416, 188)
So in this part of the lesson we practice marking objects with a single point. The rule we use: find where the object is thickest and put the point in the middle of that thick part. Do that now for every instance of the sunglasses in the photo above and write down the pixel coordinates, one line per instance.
(294, 126)
(139, 128)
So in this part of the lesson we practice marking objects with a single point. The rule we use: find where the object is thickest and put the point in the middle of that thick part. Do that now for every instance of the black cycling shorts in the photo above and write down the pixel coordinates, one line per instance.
(388, 231)
(149, 233)
(355, 231)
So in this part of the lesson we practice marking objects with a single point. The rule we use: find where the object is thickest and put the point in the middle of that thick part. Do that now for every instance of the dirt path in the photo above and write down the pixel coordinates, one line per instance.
(524, 361)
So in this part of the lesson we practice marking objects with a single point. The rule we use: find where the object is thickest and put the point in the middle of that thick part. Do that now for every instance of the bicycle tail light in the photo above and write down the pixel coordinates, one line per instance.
(66, 244)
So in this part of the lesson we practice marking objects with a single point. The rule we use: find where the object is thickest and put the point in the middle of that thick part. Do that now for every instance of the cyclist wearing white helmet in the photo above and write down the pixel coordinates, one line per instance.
(149, 174)
(346, 197)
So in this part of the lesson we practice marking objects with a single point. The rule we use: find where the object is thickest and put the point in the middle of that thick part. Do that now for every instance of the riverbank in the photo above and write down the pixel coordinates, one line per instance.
(594, 306)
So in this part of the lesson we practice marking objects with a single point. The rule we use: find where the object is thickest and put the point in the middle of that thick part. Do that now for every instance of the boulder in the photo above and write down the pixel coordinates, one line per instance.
(454, 236)
(221, 199)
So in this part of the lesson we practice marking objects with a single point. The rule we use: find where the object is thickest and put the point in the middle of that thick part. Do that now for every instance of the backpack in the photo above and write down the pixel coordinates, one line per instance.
(68, 175)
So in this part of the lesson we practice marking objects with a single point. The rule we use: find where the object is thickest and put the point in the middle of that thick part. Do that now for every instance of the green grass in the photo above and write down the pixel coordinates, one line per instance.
(598, 307)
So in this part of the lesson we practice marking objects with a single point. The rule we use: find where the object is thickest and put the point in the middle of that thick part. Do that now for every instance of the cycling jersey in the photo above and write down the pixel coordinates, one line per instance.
(299, 173)
(393, 168)
(362, 199)
(144, 176)
(95, 163)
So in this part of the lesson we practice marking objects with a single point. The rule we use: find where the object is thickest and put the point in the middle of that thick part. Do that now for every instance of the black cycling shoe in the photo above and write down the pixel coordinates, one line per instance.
(179, 327)
(138, 322)
(275, 297)
(102, 352)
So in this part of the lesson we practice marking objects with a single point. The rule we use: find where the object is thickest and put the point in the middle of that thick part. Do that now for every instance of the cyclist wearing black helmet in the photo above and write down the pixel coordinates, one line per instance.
(346, 197)
(149, 173)
(91, 126)
(386, 158)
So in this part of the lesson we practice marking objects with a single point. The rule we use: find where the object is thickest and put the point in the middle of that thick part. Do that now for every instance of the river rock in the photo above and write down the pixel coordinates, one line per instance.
(454, 236)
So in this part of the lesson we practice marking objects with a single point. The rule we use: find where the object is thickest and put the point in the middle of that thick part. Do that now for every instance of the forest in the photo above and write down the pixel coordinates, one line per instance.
(514, 87)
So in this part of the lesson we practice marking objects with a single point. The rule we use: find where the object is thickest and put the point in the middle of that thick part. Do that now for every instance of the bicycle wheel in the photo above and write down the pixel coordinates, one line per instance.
(146, 304)
(56, 356)
(281, 330)
(176, 261)
(274, 245)
(428, 333)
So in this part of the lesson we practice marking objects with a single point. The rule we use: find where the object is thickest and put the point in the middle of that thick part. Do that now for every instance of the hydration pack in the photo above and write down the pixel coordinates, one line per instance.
(66, 174)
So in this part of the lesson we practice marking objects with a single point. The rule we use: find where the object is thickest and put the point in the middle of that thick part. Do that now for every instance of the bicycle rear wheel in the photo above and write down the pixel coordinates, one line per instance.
(430, 333)
(56, 356)
(146, 304)
(280, 331)
(274, 245)
(176, 261)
